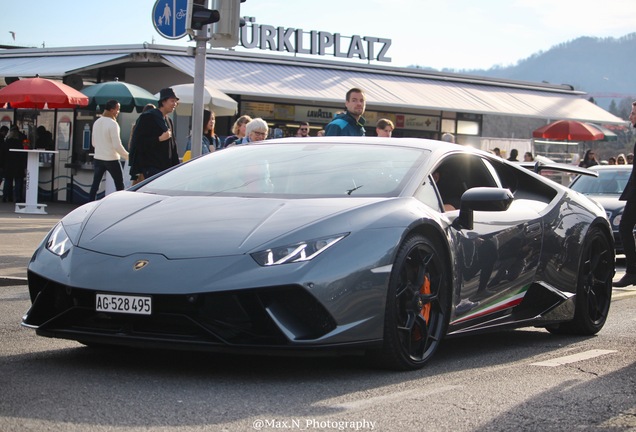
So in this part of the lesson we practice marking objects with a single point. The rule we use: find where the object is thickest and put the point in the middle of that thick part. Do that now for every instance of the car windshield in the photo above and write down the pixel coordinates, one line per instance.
(295, 169)
(608, 182)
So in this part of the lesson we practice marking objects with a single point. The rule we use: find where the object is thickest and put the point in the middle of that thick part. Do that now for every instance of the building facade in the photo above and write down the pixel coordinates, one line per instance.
(284, 91)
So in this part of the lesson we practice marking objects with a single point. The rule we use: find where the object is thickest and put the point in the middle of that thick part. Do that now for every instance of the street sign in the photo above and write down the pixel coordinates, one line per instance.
(169, 18)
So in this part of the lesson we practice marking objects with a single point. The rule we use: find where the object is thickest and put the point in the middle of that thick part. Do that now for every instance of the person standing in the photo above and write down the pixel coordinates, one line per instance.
(256, 130)
(238, 130)
(513, 155)
(589, 159)
(208, 130)
(628, 222)
(156, 148)
(4, 130)
(384, 128)
(44, 139)
(136, 175)
(108, 148)
(208, 143)
(350, 122)
(14, 166)
(621, 160)
(448, 137)
(303, 130)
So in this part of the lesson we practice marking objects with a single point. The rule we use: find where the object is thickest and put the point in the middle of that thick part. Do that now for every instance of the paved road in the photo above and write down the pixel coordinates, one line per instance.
(522, 380)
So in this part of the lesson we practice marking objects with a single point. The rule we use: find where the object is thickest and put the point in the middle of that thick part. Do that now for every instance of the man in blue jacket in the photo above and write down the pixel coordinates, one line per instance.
(351, 122)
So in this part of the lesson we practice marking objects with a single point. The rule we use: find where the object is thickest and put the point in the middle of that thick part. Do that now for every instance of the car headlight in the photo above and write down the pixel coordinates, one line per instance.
(59, 242)
(617, 220)
(298, 252)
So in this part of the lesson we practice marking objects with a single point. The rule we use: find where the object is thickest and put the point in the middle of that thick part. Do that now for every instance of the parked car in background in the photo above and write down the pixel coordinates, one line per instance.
(606, 189)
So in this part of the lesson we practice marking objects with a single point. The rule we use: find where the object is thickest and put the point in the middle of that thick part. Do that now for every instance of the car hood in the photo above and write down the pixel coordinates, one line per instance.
(191, 227)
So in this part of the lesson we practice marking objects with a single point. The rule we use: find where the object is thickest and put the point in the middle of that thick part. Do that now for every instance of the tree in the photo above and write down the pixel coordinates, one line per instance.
(624, 108)
(613, 108)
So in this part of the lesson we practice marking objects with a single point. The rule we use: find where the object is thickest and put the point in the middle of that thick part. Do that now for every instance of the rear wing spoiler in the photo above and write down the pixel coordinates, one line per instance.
(539, 166)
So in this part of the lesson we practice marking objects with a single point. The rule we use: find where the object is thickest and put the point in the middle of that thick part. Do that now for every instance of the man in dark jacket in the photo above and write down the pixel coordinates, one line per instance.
(4, 130)
(14, 164)
(628, 221)
(156, 148)
(351, 122)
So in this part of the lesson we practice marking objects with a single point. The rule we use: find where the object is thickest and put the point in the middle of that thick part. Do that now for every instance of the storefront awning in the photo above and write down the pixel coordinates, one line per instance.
(398, 91)
(53, 66)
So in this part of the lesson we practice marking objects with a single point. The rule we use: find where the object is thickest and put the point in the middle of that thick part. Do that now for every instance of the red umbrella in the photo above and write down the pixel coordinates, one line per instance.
(38, 92)
(569, 130)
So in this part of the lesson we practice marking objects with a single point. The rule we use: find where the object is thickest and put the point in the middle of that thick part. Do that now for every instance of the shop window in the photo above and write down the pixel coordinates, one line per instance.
(448, 125)
(465, 127)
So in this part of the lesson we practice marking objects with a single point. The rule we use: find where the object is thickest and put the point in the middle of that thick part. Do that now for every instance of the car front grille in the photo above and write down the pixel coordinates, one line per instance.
(250, 317)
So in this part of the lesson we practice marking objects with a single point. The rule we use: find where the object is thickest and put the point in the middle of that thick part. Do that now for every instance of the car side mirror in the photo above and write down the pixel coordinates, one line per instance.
(481, 199)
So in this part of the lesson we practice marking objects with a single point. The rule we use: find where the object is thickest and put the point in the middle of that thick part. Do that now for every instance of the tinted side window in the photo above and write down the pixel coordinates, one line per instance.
(458, 173)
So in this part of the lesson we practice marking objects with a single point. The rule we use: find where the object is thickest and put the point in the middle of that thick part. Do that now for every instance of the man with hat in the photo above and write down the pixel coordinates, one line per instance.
(156, 148)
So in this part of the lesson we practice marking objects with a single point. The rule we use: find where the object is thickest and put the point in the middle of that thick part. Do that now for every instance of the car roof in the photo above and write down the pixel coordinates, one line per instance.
(433, 145)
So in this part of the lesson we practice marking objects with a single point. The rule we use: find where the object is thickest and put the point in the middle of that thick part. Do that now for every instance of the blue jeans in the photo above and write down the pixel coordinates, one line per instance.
(101, 166)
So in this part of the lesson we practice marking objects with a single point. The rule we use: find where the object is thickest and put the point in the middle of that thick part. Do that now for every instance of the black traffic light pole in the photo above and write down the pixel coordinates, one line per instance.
(226, 34)
(201, 17)
(199, 84)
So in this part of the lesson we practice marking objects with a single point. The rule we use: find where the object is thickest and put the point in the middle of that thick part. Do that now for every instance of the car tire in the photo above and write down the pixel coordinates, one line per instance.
(594, 287)
(417, 306)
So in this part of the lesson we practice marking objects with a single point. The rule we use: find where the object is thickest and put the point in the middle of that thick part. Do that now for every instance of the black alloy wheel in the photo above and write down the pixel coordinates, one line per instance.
(418, 305)
(594, 289)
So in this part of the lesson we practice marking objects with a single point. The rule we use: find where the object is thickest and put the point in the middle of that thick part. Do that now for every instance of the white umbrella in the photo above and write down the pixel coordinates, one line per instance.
(213, 99)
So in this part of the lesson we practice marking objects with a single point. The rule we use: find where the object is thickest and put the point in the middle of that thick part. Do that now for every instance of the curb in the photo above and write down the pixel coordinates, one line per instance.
(12, 281)
(618, 293)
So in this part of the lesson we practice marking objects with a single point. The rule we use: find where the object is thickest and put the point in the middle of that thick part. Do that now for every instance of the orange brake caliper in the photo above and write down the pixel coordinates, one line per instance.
(426, 290)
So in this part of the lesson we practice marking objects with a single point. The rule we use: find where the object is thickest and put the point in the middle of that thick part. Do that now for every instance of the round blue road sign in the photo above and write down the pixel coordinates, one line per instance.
(169, 18)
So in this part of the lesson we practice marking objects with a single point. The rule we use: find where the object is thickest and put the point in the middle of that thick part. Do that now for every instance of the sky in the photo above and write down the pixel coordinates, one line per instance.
(442, 34)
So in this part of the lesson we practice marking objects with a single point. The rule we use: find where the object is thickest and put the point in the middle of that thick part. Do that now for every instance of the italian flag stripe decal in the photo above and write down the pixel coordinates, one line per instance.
(500, 305)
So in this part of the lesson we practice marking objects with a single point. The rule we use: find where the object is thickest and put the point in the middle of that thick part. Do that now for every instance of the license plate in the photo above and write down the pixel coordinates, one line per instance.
(123, 304)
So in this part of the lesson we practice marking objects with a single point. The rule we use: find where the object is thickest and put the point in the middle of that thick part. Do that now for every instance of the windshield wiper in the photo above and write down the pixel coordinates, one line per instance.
(350, 191)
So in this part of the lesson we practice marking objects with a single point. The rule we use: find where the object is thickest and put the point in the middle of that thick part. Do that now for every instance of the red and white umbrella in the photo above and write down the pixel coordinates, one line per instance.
(569, 130)
(39, 93)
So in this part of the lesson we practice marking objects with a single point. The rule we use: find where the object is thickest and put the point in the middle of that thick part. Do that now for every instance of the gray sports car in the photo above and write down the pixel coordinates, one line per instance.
(344, 245)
